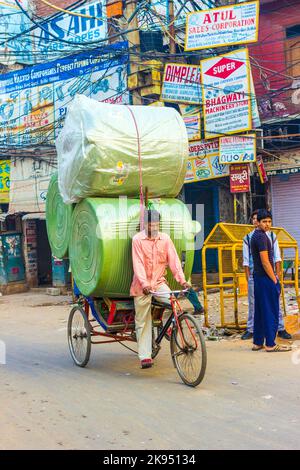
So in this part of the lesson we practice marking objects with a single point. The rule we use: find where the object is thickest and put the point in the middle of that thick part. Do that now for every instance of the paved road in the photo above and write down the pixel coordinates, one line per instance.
(247, 400)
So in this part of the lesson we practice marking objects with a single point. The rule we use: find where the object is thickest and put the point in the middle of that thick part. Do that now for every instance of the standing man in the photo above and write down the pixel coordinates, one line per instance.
(152, 252)
(248, 265)
(266, 287)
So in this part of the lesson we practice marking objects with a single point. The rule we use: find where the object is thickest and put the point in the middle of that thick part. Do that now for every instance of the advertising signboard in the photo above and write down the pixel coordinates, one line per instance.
(223, 26)
(239, 178)
(226, 94)
(4, 181)
(193, 126)
(203, 163)
(34, 101)
(181, 83)
(237, 149)
(66, 27)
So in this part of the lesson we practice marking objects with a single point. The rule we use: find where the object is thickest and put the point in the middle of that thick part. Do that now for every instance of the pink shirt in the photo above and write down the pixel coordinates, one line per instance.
(150, 258)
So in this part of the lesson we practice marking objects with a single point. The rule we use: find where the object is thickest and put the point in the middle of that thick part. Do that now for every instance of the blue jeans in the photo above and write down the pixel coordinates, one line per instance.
(250, 322)
(266, 310)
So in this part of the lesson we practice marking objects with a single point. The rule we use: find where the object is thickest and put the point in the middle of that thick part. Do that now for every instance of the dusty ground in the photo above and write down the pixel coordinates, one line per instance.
(248, 400)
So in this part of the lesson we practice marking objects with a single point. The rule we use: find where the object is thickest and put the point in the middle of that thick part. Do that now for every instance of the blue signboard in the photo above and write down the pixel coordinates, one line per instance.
(34, 101)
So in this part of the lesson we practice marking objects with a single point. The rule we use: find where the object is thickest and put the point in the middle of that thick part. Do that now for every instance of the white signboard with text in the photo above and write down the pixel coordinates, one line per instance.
(228, 25)
(226, 94)
(237, 149)
(181, 83)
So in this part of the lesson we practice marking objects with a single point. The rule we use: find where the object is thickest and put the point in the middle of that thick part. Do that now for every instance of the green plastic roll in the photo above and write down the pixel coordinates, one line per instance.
(101, 239)
(58, 220)
(103, 148)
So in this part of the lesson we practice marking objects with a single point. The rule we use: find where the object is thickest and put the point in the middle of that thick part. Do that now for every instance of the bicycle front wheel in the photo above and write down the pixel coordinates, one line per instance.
(79, 336)
(188, 350)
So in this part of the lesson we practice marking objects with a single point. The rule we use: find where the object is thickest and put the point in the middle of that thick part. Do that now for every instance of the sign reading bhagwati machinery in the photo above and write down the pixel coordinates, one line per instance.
(226, 94)
(229, 25)
(237, 149)
(34, 101)
(181, 84)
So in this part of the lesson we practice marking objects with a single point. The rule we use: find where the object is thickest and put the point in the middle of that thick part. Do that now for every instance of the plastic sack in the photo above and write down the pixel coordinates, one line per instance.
(98, 150)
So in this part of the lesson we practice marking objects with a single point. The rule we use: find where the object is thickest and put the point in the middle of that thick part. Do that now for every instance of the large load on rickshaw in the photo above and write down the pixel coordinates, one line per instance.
(98, 150)
(113, 162)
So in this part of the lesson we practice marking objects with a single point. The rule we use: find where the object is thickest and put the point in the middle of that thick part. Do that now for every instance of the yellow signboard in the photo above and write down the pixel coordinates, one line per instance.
(4, 181)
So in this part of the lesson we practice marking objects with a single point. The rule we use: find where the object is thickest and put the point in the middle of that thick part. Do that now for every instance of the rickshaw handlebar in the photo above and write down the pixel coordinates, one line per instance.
(168, 292)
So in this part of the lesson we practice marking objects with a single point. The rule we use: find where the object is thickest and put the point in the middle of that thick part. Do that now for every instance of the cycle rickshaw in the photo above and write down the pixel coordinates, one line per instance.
(104, 320)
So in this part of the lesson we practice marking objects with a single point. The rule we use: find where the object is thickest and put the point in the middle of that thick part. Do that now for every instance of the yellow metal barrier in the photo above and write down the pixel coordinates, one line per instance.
(227, 240)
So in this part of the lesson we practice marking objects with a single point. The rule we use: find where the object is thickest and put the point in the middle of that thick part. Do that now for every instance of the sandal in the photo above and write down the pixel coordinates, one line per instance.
(257, 348)
(279, 348)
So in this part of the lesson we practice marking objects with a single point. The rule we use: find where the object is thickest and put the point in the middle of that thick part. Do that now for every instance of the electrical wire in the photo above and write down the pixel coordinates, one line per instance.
(81, 15)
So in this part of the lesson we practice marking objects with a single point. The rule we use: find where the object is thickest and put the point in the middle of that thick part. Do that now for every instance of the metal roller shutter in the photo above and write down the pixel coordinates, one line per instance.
(286, 203)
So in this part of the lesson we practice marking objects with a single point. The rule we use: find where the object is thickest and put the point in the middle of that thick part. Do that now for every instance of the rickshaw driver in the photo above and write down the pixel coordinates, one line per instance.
(152, 252)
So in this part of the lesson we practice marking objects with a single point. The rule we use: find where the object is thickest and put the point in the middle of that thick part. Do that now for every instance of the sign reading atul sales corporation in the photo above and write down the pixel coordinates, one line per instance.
(226, 94)
(229, 25)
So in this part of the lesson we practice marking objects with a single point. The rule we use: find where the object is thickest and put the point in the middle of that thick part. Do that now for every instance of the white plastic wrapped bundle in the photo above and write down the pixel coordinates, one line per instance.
(98, 150)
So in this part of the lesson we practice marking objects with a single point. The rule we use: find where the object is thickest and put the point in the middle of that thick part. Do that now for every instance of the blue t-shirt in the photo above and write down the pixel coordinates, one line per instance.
(260, 242)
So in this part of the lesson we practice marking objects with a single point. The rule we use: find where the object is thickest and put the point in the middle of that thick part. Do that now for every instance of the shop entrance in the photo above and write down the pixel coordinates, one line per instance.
(43, 255)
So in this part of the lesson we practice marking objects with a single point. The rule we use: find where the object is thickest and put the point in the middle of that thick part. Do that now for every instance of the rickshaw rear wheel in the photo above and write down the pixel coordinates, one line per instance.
(79, 336)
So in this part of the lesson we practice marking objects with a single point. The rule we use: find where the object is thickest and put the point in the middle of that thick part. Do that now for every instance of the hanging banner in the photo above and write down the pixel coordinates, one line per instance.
(239, 178)
(224, 26)
(203, 163)
(261, 170)
(193, 126)
(34, 101)
(181, 83)
(4, 181)
(226, 94)
(237, 149)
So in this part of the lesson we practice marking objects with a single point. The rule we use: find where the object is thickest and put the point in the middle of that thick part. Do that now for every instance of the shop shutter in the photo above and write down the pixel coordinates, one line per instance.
(286, 203)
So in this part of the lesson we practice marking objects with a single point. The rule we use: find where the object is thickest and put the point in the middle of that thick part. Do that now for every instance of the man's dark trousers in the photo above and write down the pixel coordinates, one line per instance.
(266, 313)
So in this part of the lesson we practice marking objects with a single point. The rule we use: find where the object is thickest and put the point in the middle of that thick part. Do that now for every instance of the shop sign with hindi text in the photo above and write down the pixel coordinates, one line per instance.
(239, 178)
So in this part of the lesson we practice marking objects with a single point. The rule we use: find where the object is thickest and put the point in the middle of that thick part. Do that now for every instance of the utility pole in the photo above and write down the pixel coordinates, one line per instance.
(134, 44)
(171, 26)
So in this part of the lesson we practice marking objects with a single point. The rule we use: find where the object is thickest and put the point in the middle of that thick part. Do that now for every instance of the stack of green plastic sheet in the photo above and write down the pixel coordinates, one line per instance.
(58, 220)
(101, 238)
(98, 151)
